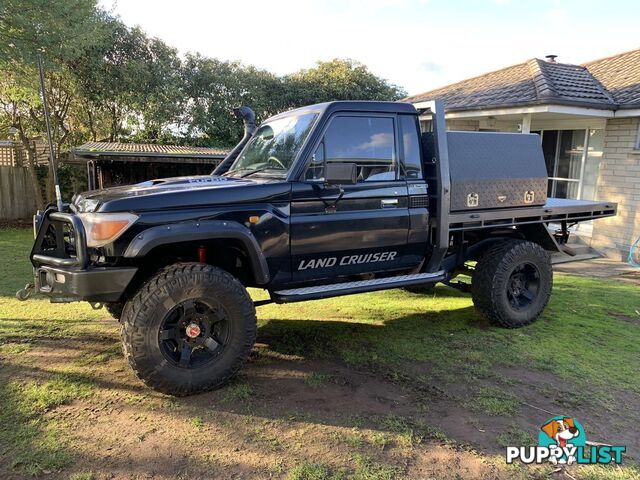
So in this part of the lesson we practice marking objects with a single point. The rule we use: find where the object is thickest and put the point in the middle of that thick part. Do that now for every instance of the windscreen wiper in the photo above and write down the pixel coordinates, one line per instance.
(256, 171)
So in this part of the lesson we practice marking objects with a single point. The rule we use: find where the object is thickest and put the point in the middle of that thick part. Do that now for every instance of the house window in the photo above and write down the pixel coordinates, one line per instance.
(590, 170)
(573, 158)
(638, 137)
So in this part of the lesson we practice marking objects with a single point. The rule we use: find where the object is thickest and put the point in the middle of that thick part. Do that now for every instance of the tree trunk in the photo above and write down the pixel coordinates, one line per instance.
(31, 166)
(92, 129)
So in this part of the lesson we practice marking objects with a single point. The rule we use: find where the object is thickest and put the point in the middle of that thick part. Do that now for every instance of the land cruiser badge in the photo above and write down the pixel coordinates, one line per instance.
(473, 200)
(325, 262)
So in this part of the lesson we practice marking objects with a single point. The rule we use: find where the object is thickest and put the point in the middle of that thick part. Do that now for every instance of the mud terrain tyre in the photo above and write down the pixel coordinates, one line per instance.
(512, 283)
(115, 309)
(188, 329)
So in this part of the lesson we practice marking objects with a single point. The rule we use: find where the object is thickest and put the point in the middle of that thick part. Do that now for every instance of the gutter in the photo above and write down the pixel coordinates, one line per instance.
(98, 154)
(563, 107)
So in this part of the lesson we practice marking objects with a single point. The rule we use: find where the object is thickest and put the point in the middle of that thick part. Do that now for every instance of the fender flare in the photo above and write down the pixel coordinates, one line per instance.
(154, 237)
(536, 233)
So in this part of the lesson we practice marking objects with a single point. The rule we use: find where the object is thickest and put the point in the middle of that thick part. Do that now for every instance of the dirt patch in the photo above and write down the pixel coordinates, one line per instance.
(626, 318)
(543, 394)
(280, 413)
(539, 395)
(632, 277)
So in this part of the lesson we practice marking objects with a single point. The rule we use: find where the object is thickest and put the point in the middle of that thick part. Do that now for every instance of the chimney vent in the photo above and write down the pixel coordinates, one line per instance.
(551, 58)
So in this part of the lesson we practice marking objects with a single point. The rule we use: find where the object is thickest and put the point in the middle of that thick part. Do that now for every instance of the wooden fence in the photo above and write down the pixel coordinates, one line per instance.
(17, 199)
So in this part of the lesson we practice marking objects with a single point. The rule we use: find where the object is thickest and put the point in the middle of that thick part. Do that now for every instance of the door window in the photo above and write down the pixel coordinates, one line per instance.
(369, 142)
(412, 161)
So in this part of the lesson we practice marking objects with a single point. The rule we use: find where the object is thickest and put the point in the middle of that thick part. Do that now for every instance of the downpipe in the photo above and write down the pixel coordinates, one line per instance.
(249, 119)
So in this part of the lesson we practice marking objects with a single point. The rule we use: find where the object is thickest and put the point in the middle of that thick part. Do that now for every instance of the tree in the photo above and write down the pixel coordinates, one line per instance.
(107, 81)
(339, 79)
(133, 81)
(59, 30)
(212, 88)
(22, 110)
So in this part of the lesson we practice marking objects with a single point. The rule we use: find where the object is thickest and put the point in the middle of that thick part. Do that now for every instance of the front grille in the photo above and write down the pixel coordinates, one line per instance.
(419, 201)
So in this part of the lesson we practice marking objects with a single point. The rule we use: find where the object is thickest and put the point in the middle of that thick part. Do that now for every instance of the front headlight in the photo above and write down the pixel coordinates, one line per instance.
(103, 228)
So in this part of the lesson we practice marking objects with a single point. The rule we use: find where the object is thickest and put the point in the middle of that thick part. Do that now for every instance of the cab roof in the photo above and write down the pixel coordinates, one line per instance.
(352, 105)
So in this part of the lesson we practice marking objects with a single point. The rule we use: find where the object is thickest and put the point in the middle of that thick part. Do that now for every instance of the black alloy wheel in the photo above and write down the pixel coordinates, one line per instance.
(523, 286)
(194, 333)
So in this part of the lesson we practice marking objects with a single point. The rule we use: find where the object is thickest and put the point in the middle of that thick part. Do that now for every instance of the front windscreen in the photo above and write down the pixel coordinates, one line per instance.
(274, 146)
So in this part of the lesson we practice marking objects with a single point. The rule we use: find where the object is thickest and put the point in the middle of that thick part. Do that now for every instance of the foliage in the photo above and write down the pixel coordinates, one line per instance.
(128, 83)
(59, 31)
(212, 88)
(109, 82)
(59, 28)
(340, 79)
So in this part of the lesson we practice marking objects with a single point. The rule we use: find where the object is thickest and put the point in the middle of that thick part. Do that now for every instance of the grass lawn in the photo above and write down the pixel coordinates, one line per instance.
(373, 386)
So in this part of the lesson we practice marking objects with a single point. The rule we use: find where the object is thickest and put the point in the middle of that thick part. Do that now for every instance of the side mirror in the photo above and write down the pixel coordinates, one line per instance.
(340, 173)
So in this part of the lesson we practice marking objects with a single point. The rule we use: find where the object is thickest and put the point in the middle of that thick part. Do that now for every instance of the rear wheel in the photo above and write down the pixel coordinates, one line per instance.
(189, 329)
(512, 283)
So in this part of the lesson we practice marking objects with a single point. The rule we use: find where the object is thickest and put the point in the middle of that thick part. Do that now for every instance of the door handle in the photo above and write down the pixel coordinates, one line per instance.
(389, 202)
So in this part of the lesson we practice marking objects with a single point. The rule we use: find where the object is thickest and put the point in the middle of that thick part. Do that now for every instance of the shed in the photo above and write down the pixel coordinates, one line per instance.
(110, 164)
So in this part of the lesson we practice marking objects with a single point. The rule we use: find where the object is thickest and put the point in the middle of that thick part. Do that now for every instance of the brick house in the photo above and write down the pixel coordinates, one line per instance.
(588, 119)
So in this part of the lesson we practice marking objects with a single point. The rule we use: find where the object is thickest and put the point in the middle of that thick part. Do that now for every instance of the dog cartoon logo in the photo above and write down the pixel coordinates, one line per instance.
(562, 440)
(565, 433)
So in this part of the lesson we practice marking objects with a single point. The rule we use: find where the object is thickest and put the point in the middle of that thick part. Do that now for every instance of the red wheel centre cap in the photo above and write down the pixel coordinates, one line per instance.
(192, 330)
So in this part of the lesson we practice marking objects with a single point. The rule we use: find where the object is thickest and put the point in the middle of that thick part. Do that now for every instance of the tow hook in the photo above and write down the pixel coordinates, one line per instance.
(24, 293)
(96, 305)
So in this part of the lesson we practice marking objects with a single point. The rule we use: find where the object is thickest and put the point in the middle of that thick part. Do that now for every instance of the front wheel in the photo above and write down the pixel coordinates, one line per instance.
(189, 329)
(512, 283)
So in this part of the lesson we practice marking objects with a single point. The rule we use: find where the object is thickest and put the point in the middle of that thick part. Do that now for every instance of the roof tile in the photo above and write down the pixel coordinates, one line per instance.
(620, 75)
(608, 83)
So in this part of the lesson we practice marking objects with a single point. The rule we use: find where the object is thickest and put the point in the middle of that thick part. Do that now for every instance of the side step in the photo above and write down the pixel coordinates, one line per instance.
(361, 286)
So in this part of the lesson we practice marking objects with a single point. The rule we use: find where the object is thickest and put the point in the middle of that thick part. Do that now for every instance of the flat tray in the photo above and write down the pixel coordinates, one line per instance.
(554, 210)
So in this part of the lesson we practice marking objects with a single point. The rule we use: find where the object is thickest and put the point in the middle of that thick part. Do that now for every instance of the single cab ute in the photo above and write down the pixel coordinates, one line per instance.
(327, 200)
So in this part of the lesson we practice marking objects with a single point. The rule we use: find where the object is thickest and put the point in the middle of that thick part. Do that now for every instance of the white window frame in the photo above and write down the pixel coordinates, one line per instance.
(637, 146)
(583, 160)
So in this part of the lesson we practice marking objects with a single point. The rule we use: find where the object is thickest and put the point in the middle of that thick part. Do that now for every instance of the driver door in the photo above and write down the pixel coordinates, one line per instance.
(353, 229)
